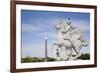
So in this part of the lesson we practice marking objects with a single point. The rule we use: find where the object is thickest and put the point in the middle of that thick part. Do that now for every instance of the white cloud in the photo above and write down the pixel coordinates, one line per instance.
(81, 25)
(30, 27)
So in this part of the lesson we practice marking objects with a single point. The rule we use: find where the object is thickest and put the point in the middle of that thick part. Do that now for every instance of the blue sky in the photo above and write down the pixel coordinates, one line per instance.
(35, 24)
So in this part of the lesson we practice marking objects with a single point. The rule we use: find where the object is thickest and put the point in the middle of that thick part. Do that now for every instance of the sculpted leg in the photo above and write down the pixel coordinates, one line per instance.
(77, 50)
(68, 53)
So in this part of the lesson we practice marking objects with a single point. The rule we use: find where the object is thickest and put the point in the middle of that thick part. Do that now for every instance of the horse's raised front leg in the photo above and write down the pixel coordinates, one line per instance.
(77, 50)
(70, 54)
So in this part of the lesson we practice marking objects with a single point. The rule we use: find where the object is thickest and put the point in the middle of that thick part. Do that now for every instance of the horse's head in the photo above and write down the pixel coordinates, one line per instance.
(59, 26)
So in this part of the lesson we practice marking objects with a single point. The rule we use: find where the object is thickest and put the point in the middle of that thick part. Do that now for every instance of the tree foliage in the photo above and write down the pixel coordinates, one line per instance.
(84, 57)
(35, 59)
(29, 59)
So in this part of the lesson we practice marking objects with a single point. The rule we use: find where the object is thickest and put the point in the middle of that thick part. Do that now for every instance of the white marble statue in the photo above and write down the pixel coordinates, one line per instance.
(68, 38)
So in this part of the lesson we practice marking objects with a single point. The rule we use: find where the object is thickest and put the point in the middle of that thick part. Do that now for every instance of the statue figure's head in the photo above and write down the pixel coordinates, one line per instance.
(68, 21)
(63, 26)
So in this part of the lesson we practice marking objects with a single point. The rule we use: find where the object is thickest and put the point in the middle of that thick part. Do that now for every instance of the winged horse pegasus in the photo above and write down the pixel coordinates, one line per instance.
(68, 39)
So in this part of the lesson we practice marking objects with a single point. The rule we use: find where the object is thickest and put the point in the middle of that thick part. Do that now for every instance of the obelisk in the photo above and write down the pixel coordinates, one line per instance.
(46, 57)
